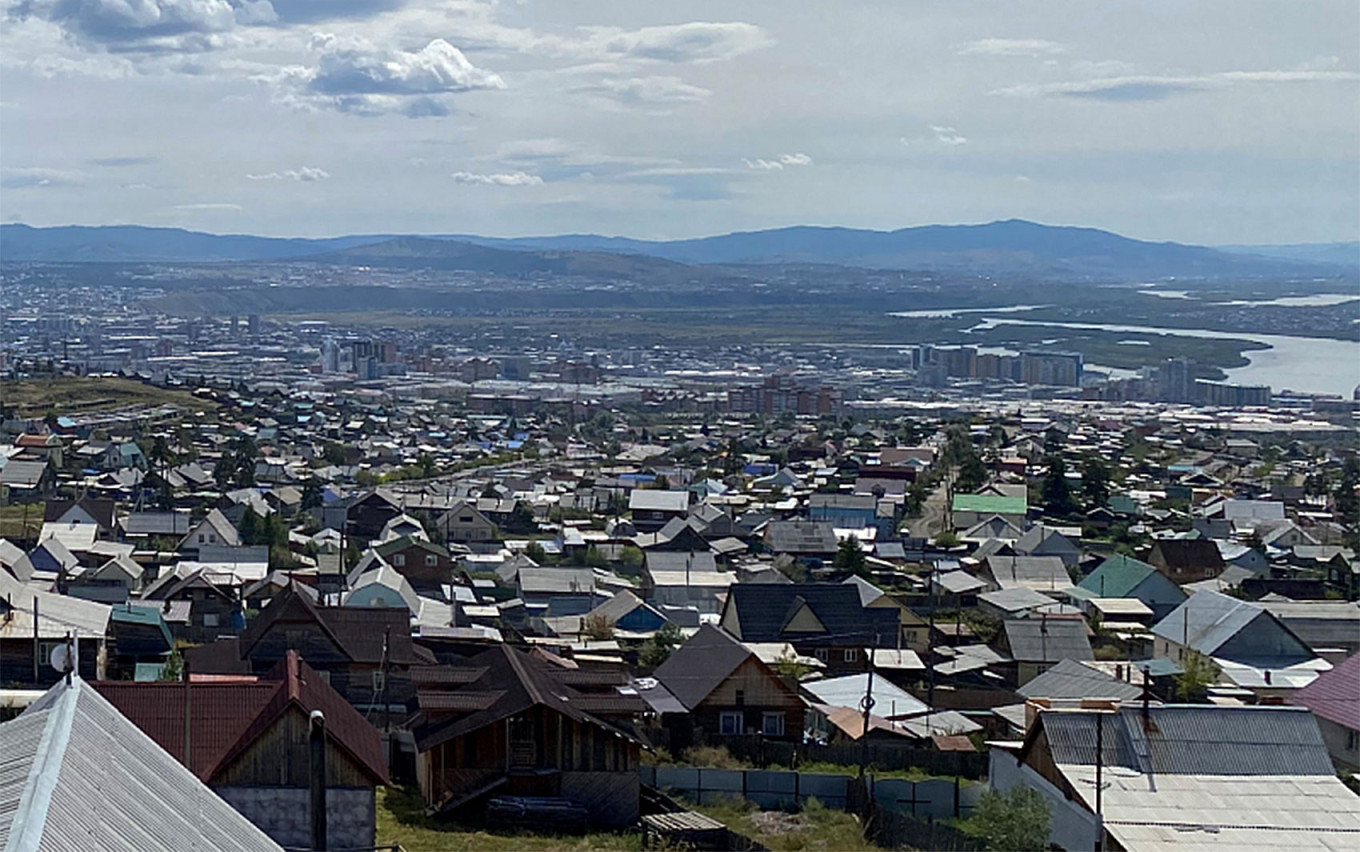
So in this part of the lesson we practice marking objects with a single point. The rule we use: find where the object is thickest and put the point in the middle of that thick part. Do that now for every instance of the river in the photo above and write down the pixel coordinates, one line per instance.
(1307, 364)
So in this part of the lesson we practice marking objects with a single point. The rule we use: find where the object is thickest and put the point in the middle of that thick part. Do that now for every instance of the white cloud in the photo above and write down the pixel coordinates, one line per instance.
(1151, 87)
(646, 91)
(38, 178)
(306, 174)
(149, 26)
(947, 135)
(502, 179)
(353, 75)
(1010, 47)
(697, 41)
(779, 163)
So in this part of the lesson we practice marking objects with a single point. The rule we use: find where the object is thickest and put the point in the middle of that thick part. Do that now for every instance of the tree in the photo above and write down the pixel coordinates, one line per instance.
(657, 649)
(947, 539)
(631, 557)
(1197, 675)
(788, 665)
(1095, 482)
(173, 669)
(849, 556)
(1057, 497)
(1015, 821)
(597, 627)
(972, 473)
(535, 551)
(311, 494)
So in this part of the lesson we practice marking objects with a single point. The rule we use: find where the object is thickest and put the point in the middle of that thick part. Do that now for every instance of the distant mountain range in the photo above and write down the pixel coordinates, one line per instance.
(1007, 247)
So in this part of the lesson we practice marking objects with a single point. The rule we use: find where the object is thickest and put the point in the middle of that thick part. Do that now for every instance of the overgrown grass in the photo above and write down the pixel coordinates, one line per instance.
(814, 827)
(72, 394)
(12, 521)
(402, 819)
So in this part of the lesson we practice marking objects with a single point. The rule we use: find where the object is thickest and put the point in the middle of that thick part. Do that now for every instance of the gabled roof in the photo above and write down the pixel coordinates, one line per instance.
(1046, 640)
(699, 666)
(990, 504)
(1188, 553)
(227, 718)
(763, 610)
(1072, 679)
(79, 775)
(1335, 695)
(1041, 573)
(1046, 538)
(99, 509)
(801, 537)
(359, 632)
(507, 682)
(651, 500)
(1117, 576)
(1208, 620)
(1191, 740)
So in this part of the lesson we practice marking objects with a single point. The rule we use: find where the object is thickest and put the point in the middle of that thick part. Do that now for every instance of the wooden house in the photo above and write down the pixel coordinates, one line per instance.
(248, 740)
(365, 653)
(505, 724)
(727, 691)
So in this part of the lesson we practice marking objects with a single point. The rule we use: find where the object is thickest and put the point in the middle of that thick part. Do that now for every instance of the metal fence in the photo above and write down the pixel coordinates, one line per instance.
(885, 757)
(936, 798)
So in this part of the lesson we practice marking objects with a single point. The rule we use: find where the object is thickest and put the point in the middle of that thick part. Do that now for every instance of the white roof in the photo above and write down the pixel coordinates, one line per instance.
(1237, 812)
(719, 579)
(75, 536)
(58, 615)
(889, 701)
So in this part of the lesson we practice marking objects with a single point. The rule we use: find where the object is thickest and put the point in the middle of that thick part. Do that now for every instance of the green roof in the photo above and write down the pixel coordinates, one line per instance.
(990, 504)
(1117, 577)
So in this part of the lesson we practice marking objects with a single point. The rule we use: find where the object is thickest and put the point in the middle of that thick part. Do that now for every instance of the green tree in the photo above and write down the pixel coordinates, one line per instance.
(173, 669)
(657, 649)
(631, 557)
(1057, 497)
(1095, 482)
(311, 494)
(1197, 675)
(1014, 821)
(535, 551)
(947, 539)
(972, 473)
(849, 556)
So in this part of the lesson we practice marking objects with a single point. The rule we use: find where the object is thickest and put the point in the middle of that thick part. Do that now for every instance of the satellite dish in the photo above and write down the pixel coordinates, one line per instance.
(60, 658)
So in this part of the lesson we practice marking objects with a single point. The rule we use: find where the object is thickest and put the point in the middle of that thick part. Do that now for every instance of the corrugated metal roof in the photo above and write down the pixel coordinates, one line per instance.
(1047, 640)
(1071, 679)
(97, 782)
(1194, 740)
(1335, 695)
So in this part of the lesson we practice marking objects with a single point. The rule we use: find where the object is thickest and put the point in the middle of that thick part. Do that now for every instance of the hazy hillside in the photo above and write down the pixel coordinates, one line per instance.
(998, 248)
(1341, 254)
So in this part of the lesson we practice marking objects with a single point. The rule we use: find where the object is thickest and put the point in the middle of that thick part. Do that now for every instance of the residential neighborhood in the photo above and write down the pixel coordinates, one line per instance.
(298, 610)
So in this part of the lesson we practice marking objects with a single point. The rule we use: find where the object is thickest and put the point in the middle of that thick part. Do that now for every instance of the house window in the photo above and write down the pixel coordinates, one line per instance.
(823, 654)
(741, 698)
(772, 724)
(209, 619)
(399, 560)
(431, 560)
(200, 538)
(850, 655)
(1352, 740)
(729, 723)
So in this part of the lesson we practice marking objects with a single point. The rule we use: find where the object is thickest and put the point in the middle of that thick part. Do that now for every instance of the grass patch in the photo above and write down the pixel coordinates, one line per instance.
(814, 827)
(77, 394)
(402, 819)
(12, 521)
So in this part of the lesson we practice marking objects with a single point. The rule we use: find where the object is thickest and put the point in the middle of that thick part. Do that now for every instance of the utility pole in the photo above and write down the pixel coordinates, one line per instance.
(868, 704)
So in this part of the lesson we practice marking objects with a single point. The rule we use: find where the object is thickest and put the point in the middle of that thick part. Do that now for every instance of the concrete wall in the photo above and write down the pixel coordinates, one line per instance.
(1070, 825)
(284, 813)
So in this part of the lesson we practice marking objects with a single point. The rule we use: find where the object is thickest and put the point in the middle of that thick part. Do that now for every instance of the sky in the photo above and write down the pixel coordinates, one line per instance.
(1201, 122)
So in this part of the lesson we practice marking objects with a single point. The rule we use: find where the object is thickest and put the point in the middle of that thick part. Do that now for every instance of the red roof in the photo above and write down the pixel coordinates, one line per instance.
(1335, 695)
(227, 716)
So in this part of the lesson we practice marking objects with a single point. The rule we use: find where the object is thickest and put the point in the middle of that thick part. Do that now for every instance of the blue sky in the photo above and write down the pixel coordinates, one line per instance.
(1232, 122)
